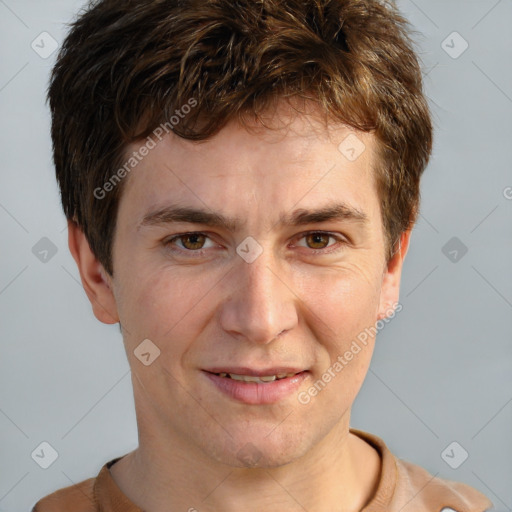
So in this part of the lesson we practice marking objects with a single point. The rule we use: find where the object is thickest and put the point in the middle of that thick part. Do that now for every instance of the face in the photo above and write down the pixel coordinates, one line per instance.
(279, 275)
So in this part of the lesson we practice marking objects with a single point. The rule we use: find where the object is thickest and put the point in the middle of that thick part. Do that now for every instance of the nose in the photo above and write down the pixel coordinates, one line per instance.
(259, 304)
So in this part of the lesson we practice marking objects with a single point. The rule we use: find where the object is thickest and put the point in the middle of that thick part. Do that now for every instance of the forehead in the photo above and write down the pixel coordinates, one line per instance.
(291, 161)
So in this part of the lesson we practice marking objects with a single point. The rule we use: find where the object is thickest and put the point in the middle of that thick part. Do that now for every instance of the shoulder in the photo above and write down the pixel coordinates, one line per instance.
(418, 490)
(407, 487)
(78, 498)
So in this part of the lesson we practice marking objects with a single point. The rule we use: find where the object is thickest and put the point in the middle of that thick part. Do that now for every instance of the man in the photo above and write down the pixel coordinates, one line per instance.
(240, 182)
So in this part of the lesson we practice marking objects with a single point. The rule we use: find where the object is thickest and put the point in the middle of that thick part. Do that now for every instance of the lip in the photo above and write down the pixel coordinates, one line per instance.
(256, 393)
(242, 370)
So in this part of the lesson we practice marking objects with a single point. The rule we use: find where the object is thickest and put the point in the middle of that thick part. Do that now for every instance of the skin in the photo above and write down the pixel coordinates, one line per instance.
(288, 307)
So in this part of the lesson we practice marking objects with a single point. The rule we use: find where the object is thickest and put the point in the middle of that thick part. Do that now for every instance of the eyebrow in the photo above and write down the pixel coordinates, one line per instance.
(174, 213)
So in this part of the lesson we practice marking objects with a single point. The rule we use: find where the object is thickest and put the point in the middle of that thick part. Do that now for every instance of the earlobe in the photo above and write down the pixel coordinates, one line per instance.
(95, 280)
(390, 290)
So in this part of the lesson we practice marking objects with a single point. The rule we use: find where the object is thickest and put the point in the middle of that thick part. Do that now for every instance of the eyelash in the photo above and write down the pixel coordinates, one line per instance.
(316, 252)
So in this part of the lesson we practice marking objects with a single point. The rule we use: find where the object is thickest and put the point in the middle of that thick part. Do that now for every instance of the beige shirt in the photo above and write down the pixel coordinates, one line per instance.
(403, 487)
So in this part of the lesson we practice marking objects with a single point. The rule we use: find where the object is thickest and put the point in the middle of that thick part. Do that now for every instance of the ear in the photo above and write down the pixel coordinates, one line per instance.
(390, 290)
(95, 280)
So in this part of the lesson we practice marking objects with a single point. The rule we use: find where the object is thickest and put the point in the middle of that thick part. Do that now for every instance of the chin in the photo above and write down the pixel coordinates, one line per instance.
(259, 450)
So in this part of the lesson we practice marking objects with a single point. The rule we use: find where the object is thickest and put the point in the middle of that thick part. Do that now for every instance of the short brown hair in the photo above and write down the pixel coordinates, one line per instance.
(126, 67)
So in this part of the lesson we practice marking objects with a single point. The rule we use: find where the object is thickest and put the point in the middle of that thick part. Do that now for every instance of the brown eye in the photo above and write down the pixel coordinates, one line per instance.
(321, 243)
(317, 240)
(193, 241)
(188, 242)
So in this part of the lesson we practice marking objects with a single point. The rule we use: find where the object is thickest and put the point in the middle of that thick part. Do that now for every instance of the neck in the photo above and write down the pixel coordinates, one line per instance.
(341, 472)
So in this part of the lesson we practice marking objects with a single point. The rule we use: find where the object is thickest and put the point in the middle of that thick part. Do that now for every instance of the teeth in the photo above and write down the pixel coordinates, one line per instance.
(253, 378)
(268, 378)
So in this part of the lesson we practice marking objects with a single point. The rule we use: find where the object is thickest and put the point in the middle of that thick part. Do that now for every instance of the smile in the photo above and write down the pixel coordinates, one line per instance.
(257, 389)
(254, 378)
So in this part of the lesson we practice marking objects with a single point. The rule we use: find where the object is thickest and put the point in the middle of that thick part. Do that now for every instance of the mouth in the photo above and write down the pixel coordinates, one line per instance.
(257, 386)
(255, 378)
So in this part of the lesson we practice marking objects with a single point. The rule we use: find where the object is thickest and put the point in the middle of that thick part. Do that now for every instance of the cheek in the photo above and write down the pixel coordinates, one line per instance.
(347, 305)
(344, 300)
(158, 305)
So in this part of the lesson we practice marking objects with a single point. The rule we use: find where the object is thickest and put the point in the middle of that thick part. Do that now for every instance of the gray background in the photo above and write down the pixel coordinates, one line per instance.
(442, 370)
